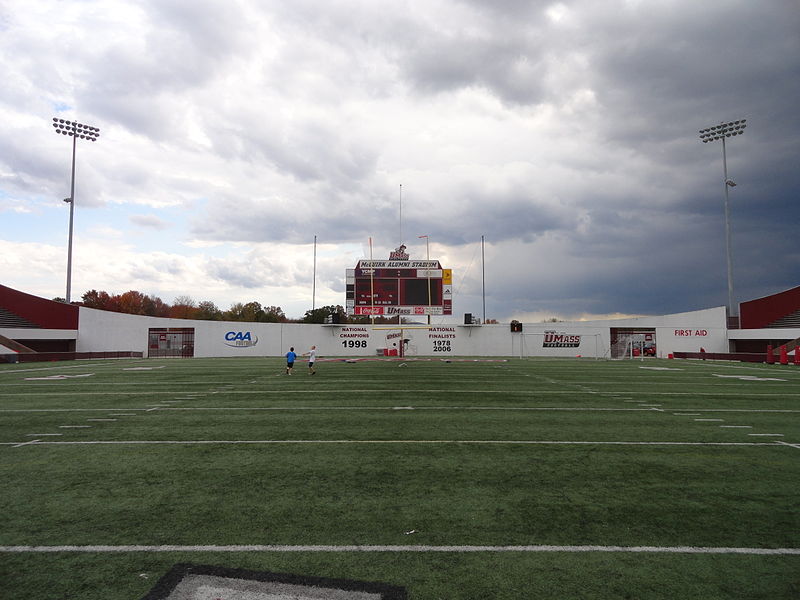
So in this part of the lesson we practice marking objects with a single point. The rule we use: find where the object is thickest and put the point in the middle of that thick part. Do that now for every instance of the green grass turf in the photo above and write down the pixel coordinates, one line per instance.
(443, 485)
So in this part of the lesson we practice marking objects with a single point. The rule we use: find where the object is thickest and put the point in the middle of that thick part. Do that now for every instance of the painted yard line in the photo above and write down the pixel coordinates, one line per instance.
(123, 414)
(42, 434)
(707, 420)
(101, 420)
(766, 434)
(402, 548)
(387, 442)
(384, 392)
(25, 443)
(736, 426)
(381, 408)
(335, 408)
(74, 426)
(788, 444)
(80, 366)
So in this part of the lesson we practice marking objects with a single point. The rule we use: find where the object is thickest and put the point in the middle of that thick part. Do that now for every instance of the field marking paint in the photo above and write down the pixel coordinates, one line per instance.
(379, 408)
(74, 426)
(42, 434)
(123, 414)
(736, 426)
(788, 444)
(402, 548)
(709, 420)
(25, 443)
(101, 420)
(766, 434)
(310, 392)
(388, 442)
(57, 377)
(749, 377)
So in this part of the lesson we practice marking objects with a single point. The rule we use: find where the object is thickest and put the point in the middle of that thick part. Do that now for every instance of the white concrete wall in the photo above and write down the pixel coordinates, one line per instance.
(108, 331)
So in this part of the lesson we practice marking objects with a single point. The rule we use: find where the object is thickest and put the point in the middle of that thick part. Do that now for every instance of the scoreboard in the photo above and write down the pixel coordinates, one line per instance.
(399, 287)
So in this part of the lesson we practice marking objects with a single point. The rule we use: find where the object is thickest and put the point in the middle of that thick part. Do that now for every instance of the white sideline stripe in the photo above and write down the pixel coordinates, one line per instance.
(475, 442)
(788, 444)
(432, 408)
(409, 548)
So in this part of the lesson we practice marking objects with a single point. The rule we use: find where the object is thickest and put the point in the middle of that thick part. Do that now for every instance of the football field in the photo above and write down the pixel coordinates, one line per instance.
(459, 479)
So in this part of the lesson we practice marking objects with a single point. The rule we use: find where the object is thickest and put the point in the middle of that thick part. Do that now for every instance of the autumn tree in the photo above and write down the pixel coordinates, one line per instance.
(156, 307)
(274, 314)
(183, 307)
(132, 303)
(320, 315)
(95, 299)
(208, 311)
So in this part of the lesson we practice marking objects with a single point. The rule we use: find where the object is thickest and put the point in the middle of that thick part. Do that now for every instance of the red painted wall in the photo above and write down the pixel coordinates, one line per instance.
(44, 313)
(759, 313)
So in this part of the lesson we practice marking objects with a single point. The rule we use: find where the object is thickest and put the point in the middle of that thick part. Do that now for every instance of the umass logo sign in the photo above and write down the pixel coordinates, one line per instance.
(240, 339)
(553, 339)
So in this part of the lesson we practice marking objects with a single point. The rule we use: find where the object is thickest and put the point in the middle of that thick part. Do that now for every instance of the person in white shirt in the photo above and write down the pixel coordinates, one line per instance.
(312, 357)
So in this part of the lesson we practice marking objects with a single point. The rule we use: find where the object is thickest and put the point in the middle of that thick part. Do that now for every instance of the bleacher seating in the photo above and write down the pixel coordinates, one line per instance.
(13, 321)
(790, 320)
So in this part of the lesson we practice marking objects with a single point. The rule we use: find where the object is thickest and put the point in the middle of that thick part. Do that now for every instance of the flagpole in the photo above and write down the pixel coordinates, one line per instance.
(314, 279)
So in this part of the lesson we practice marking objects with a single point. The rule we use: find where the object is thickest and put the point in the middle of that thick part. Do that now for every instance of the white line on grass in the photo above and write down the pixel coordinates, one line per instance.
(387, 442)
(25, 443)
(788, 444)
(402, 548)
(74, 426)
(708, 420)
(378, 408)
(42, 434)
(766, 434)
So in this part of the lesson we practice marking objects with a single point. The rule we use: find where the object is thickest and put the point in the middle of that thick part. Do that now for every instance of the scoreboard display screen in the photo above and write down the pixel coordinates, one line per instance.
(399, 287)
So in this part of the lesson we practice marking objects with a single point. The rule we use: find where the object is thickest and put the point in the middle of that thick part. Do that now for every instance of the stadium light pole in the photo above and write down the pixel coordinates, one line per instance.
(428, 269)
(86, 132)
(712, 134)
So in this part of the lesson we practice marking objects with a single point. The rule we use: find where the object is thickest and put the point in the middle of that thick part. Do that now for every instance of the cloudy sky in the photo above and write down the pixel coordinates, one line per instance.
(566, 133)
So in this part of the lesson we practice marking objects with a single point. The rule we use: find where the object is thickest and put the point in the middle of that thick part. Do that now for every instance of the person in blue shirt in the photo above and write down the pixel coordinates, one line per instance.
(290, 358)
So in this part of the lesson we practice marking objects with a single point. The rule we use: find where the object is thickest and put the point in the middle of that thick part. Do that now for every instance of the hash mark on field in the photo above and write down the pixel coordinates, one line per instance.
(101, 420)
(737, 426)
(707, 420)
(686, 414)
(41, 434)
(74, 426)
(766, 434)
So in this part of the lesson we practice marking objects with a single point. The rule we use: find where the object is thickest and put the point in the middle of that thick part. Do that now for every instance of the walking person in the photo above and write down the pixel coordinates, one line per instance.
(290, 358)
(312, 357)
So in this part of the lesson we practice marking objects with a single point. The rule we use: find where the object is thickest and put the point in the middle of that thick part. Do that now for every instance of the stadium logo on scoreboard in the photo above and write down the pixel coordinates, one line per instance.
(399, 253)
(240, 339)
(553, 339)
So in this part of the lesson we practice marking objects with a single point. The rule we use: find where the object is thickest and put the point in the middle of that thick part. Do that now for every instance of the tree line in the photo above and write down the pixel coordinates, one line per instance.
(185, 307)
